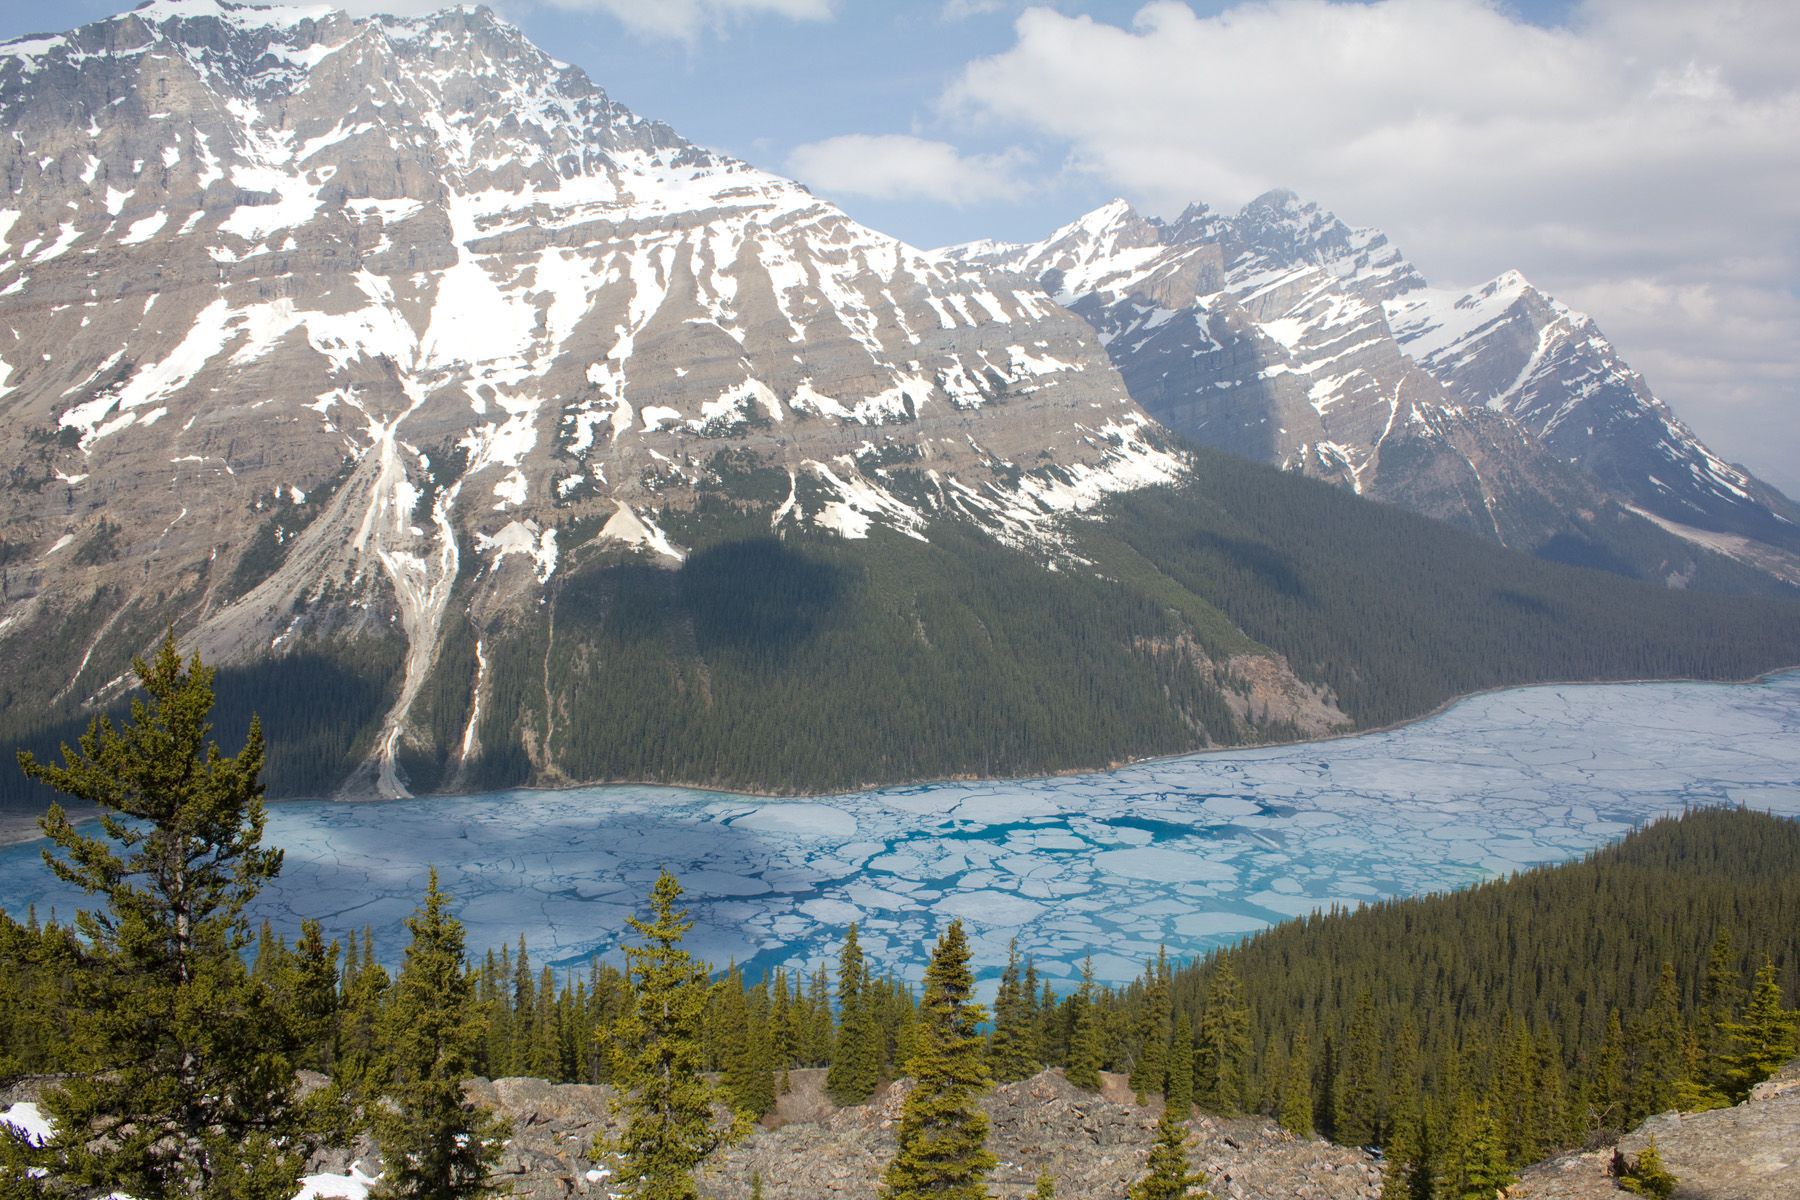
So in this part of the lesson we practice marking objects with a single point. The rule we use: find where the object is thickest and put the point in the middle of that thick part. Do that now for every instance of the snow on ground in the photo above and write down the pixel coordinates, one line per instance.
(1193, 851)
(30, 1121)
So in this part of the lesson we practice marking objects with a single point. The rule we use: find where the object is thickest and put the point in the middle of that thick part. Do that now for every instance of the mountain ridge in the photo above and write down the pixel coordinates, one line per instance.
(389, 360)
(1286, 335)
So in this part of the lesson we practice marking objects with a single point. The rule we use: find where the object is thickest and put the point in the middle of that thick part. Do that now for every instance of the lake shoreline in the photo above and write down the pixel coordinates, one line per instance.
(18, 827)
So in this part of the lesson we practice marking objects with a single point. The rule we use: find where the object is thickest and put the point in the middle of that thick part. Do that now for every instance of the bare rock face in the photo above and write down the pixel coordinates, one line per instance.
(1093, 1145)
(1510, 347)
(1750, 1152)
(1283, 334)
(304, 319)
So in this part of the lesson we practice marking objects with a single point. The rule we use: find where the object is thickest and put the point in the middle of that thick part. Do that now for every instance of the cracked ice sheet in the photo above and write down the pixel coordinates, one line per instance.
(1194, 852)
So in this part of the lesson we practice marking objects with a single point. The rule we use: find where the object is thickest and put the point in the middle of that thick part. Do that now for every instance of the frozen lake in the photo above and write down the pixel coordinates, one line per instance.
(1193, 852)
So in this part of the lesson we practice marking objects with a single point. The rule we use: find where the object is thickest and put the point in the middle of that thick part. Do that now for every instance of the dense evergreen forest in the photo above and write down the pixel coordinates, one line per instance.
(1470, 1032)
(807, 662)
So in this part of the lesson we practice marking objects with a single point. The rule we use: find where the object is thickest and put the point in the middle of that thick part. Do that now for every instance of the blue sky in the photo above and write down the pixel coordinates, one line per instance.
(1635, 158)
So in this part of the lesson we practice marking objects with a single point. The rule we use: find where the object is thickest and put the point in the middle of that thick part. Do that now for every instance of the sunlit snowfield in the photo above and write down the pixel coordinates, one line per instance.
(1193, 852)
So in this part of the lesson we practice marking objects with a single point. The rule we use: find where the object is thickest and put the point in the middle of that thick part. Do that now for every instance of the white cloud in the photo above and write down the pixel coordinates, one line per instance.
(962, 10)
(898, 166)
(1648, 149)
(685, 20)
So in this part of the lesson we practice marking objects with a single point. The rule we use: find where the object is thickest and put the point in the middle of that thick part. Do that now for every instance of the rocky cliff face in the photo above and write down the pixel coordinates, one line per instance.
(1749, 1152)
(305, 319)
(1509, 347)
(1283, 334)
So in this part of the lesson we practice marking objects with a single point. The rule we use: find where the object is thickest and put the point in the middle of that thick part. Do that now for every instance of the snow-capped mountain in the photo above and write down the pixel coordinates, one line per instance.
(296, 307)
(1283, 334)
(1508, 346)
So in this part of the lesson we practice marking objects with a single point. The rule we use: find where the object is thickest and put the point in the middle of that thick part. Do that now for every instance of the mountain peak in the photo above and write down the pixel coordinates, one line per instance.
(1279, 199)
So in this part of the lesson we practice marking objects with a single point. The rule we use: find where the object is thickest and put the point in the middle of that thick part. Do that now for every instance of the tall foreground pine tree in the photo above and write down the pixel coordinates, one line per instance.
(657, 1059)
(186, 1082)
(943, 1152)
(435, 1143)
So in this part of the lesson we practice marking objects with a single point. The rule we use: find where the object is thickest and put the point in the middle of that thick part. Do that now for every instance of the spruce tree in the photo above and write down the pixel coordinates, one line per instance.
(657, 1061)
(748, 1075)
(1168, 1174)
(1150, 1069)
(1473, 1165)
(1606, 1081)
(1354, 1097)
(942, 1153)
(185, 1077)
(365, 991)
(1403, 1140)
(1224, 1040)
(1013, 1053)
(1646, 1176)
(1085, 1049)
(856, 1053)
(1763, 1040)
(309, 992)
(1178, 1094)
(435, 1143)
(1296, 1112)
(1659, 1056)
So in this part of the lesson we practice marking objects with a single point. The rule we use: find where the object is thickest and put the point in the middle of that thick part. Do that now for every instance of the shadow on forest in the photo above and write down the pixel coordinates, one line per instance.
(758, 595)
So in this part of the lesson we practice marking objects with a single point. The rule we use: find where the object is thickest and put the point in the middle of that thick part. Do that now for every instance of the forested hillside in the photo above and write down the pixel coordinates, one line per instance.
(809, 662)
(1466, 1034)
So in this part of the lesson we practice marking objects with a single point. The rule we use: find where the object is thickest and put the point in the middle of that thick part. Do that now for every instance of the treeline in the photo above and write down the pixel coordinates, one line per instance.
(811, 663)
(1397, 613)
(1468, 1034)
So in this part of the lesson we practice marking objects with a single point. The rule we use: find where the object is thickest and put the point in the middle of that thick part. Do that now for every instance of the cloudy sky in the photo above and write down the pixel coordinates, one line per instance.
(1639, 159)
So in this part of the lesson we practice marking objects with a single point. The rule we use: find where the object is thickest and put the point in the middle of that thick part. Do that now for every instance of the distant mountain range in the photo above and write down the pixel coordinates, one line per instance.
(490, 433)
(1284, 335)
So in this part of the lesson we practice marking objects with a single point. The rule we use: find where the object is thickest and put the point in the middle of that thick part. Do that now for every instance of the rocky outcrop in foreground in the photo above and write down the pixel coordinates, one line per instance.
(1750, 1152)
(1093, 1146)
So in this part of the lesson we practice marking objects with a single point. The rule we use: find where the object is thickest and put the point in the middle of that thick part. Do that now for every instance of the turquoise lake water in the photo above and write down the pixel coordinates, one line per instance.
(1191, 852)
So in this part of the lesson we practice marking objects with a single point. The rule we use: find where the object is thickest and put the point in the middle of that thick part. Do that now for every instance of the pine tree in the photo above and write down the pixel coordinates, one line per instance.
(365, 990)
(657, 1061)
(1179, 1093)
(1085, 1050)
(1224, 1041)
(185, 1083)
(942, 1153)
(1150, 1070)
(1403, 1142)
(1046, 1187)
(1763, 1040)
(1659, 1051)
(1473, 1164)
(1353, 1099)
(1296, 1113)
(1647, 1176)
(309, 992)
(856, 1053)
(748, 1076)
(435, 1143)
(1013, 1053)
(1169, 1175)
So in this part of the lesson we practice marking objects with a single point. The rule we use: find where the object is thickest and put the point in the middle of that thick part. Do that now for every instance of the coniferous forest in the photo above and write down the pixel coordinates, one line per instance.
(1465, 1034)
(809, 662)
